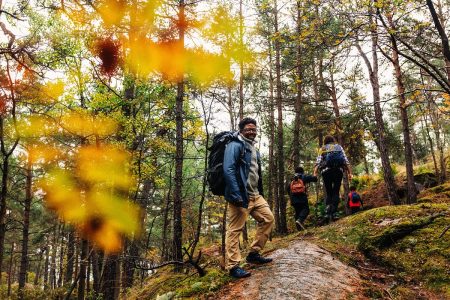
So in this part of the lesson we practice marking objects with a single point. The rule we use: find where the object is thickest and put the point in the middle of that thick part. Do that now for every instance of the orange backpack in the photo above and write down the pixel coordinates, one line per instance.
(297, 186)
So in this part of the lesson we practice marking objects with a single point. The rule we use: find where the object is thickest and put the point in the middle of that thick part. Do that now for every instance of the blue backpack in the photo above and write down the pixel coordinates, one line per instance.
(333, 159)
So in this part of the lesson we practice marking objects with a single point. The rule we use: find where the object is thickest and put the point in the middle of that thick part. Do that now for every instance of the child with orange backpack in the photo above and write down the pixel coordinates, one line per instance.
(299, 196)
(354, 202)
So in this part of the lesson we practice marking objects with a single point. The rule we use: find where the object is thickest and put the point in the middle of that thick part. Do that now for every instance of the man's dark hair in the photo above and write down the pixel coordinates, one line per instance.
(299, 170)
(246, 121)
(329, 139)
(353, 188)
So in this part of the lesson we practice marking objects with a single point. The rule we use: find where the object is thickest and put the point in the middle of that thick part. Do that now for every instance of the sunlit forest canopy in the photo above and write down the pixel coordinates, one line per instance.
(108, 107)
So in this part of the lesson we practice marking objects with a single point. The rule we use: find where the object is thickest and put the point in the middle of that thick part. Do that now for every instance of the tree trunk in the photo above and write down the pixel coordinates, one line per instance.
(3, 195)
(282, 203)
(70, 256)
(129, 263)
(373, 74)
(241, 63)
(165, 243)
(38, 269)
(61, 260)
(83, 267)
(412, 191)
(5, 168)
(95, 272)
(230, 109)
(25, 230)
(177, 195)
(272, 180)
(53, 257)
(298, 98)
(88, 274)
(110, 286)
(46, 266)
(10, 273)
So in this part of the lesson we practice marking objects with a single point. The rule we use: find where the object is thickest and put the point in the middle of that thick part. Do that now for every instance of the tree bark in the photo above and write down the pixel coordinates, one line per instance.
(165, 243)
(38, 268)
(25, 230)
(6, 153)
(272, 192)
(96, 271)
(10, 273)
(241, 63)
(70, 256)
(282, 226)
(61, 259)
(46, 265)
(3, 195)
(55, 241)
(83, 267)
(298, 98)
(110, 286)
(177, 195)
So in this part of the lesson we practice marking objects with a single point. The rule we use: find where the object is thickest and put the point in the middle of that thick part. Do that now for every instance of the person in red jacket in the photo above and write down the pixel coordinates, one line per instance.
(354, 201)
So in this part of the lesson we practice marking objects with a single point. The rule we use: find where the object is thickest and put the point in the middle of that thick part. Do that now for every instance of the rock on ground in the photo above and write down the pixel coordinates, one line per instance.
(301, 271)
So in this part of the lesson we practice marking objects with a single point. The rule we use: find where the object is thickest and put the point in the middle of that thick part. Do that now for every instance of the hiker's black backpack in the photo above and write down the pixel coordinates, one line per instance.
(215, 178)
(333, 158)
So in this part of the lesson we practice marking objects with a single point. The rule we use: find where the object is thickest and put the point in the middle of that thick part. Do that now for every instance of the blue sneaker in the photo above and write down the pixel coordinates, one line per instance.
(238, 272)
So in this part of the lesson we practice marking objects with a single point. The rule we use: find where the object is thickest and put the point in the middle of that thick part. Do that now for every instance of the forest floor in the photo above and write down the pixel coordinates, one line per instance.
(301, 271)
(388, 252)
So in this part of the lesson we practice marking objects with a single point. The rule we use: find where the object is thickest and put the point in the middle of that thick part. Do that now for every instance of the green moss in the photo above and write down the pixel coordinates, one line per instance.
(404, 239)
(213, 280)
(425, 200)
(440, 188)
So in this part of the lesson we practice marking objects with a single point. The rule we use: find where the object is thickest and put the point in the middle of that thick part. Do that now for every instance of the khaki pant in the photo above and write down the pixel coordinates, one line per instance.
(237, 216)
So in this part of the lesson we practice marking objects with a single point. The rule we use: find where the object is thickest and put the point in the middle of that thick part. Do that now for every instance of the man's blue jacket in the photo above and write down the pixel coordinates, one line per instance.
(236, 167)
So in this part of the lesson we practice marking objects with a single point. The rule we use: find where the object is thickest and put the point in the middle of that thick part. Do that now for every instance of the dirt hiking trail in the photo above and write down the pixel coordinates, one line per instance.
(301, 271)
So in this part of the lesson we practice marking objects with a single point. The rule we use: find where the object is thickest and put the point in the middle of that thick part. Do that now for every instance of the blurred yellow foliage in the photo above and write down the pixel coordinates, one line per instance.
(104, 165)
(92, 197)
(63, 196)
(51, 91)
(36, 126)
(172, 61)
(44, 153)
(112, 11)
(84, 124)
